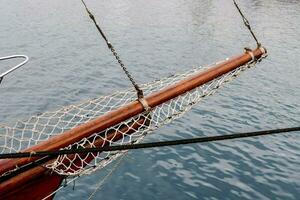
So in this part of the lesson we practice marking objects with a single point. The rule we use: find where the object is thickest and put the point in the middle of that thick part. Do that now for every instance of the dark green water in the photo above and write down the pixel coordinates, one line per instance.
(70, 63)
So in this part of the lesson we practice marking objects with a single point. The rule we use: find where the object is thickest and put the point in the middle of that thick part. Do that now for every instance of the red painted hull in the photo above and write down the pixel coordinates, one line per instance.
(37, 189)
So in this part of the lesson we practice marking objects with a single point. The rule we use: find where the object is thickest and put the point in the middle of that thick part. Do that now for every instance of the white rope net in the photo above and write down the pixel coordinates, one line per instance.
(41, 127)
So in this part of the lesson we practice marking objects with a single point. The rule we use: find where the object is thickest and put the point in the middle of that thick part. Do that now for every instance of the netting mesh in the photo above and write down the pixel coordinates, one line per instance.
(41, 127)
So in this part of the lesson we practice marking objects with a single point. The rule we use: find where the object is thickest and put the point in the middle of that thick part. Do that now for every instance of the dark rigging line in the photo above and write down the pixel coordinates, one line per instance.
(150, 145)
(112, 49)
(117, 57)
(247, 23)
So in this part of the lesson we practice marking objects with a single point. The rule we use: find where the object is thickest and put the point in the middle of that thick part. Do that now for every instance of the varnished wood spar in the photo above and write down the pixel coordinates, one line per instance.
(39, 182)
(114, 117)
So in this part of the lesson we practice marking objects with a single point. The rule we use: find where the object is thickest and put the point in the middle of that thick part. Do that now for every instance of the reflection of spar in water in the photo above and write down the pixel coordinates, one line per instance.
(2, 75)
(22, 181)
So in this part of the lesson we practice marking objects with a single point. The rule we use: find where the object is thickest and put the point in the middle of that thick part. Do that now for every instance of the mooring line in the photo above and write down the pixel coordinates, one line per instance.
(149, 145)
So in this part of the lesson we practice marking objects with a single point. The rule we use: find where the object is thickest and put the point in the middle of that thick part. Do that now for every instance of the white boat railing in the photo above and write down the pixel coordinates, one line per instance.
(2, 75)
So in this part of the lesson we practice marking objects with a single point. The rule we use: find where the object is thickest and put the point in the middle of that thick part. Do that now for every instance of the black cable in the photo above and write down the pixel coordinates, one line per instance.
(117, 57)
(24, 168)
(149, 145)
(246, 22)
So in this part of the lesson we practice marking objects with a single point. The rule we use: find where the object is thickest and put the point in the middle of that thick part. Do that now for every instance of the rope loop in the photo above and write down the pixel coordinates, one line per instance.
(250, 52)
(144, 104)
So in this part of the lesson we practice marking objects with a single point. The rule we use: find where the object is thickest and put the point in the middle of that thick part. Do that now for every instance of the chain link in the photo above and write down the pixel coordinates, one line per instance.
(246, 23)
(112, 49)
(137, 88)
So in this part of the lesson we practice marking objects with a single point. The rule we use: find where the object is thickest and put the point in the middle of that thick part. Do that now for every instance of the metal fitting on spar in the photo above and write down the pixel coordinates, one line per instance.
(144, 104)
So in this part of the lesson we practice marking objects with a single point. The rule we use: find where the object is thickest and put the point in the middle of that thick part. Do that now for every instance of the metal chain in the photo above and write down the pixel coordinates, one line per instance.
(246, 22)
(112, 49)
(140, 93)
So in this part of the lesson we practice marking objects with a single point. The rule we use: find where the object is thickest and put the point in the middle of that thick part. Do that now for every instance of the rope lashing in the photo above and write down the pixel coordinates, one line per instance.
(151, 145)
(265, 53)
(144, 104)
(249, 51)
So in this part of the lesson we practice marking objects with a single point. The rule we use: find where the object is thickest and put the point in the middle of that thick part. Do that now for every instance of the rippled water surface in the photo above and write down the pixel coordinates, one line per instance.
(70, 63)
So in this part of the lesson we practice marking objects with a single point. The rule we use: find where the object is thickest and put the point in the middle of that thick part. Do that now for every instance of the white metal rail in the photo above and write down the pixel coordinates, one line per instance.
(2, 75)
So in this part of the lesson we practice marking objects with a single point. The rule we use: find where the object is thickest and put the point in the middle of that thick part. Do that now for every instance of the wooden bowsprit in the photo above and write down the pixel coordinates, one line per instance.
(44, 182)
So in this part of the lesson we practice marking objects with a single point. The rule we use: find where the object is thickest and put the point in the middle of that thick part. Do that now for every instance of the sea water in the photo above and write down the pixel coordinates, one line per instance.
(69, 63)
